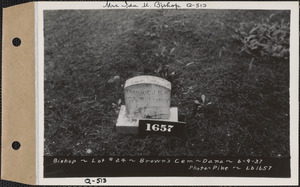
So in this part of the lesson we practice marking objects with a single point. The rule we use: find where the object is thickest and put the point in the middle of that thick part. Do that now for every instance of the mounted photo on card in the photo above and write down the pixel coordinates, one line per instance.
(135, 93)
(117, 80)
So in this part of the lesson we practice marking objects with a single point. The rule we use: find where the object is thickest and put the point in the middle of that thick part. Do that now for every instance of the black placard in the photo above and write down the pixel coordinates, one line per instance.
(165, 128)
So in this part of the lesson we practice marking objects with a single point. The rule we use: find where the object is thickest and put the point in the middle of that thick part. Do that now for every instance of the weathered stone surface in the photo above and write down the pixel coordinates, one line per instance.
(147, 97)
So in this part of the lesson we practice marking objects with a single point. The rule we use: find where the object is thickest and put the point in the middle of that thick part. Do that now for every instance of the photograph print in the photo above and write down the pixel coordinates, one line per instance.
(224, 74)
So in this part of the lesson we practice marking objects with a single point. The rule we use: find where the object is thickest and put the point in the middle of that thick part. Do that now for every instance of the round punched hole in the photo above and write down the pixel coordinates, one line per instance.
(16, 145)
(16, 42)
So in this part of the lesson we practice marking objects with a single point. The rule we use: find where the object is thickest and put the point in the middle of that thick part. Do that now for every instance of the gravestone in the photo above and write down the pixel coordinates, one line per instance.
(146, 98)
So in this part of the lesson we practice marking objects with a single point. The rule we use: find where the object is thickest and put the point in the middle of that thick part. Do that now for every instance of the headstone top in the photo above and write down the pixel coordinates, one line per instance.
(147, 97)
(147, 79)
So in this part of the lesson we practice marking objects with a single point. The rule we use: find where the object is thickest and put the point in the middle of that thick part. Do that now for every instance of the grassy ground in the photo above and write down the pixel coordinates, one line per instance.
(249, 115)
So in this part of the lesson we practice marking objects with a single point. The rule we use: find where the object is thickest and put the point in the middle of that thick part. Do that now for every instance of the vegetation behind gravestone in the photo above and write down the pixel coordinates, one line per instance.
(268, 40)
(232, 105)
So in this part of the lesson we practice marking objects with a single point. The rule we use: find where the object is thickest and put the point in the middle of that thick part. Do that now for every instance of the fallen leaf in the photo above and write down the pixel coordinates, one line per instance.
(116, 77)
(89, 151)
(188, 64)
(179, 61)
(172, 50)
(203, 98)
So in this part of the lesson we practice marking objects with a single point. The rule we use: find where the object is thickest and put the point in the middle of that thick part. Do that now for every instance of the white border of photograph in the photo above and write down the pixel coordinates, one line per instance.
(294, 82)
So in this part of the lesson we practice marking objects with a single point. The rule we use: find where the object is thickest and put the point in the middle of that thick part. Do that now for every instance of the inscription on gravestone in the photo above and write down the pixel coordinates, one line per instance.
(147, 97)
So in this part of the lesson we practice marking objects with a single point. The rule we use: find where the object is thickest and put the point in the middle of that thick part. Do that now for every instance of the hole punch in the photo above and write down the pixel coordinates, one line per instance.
(16, 42)
(16, 145)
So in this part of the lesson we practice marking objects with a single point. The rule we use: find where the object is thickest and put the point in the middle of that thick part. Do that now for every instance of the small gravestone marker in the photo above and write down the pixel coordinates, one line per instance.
(147, 106)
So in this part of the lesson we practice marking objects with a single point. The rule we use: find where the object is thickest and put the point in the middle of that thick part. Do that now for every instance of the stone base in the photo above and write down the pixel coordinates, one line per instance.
(130, 126)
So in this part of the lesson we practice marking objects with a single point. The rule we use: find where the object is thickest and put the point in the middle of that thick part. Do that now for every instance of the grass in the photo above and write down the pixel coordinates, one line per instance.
(249, 114)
